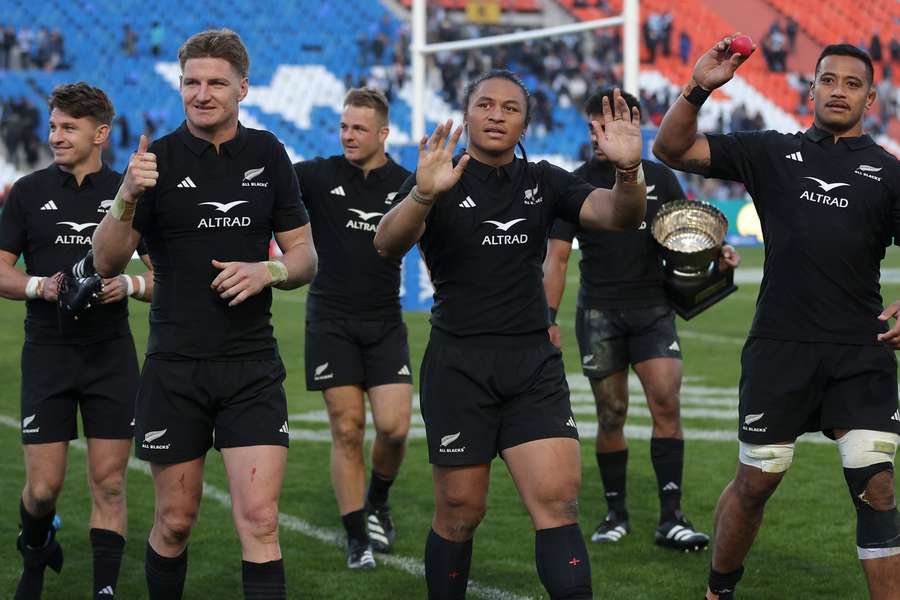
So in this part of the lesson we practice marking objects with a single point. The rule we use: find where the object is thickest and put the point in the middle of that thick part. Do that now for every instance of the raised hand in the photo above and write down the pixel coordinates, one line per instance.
(435, 172)
(619, 134)
(716, 67)
(141, 174)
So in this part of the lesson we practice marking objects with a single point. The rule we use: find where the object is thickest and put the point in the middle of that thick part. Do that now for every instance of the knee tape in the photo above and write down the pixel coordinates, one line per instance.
(769, 458)
(864, 454)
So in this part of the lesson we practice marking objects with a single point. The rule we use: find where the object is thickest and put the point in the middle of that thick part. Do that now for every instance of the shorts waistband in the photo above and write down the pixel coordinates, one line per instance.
(491, 340)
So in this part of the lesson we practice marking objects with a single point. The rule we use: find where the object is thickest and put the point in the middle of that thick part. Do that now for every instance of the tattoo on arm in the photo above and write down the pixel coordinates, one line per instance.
(694, 165)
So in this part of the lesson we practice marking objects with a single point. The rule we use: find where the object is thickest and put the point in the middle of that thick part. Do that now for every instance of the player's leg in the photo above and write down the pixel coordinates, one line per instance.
(178, 490)
(255, 477)
(611, 403)
(391, 409)
(48, 411)
(739, 513)
(107, 464)
(860, 407)
(251, 433)
(45, 470)
(868, 459)
(334, 365)
(347, 419)
(173, 431)
(109, 385)
(539, 443)
(604, 361)
(547, 473)
(775, 406)
(389, 387)
(461, 414)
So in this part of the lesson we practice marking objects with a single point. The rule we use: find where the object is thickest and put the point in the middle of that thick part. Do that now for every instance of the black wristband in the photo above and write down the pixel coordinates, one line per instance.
(697, 96)
(552, 313)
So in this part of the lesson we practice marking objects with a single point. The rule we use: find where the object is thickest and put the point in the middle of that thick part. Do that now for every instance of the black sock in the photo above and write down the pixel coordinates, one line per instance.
(379, 486)
(107, 547)
(447, 567)
(165, 576)
(355, 524)
(263, 581)
(667, 456)
(612, 471)
(35, 529)
(562, 562)
(723, 584)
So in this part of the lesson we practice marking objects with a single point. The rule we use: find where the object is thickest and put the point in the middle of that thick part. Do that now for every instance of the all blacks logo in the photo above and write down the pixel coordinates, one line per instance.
(504, 239)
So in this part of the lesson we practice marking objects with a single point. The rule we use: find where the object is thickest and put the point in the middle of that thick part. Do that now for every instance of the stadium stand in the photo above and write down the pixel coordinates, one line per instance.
(306, 53)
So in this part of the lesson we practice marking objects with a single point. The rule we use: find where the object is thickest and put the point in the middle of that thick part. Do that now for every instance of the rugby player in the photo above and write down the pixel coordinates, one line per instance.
(820, 354)
(67, 363)
(491, 381)
(206, 199)
(624, 319)
(355, 336)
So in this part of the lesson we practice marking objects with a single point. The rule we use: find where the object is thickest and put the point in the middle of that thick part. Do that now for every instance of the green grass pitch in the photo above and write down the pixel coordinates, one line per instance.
(806, 548)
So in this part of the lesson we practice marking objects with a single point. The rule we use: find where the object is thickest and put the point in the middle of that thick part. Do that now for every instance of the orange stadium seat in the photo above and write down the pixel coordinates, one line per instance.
(509, 5)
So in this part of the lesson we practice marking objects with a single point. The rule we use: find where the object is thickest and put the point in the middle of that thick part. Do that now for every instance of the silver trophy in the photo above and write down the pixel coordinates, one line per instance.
(690, 235)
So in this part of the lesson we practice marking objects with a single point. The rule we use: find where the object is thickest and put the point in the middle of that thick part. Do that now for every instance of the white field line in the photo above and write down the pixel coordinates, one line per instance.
(332, 537)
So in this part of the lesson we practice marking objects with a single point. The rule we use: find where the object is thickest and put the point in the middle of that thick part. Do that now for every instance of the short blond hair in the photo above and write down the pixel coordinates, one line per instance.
(217, 43)
(367, 97)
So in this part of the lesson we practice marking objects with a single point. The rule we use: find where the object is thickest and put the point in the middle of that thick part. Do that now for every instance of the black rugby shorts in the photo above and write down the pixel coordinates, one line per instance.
(610, 340)
(185, 407)
(350, 352)
(101, 378)
(789, 388)
(483, 394)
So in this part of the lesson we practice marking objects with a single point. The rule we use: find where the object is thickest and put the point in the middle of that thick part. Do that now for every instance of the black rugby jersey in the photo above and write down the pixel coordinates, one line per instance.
(206, 206)
(50, 219)
(485, 242)
(353, 281)
(827, 210)
(621, 269)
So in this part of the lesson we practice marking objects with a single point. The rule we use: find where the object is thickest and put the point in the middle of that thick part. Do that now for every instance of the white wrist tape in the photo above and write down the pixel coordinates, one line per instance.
(142, 286)
(129, 285)
(31, 288)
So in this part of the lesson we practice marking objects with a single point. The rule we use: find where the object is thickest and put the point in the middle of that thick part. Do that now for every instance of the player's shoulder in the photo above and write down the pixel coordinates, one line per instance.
(38, 178)
(320, 167)
(396, 171)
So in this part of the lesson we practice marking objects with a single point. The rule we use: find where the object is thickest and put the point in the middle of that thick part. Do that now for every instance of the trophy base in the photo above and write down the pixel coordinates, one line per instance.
(689, 298)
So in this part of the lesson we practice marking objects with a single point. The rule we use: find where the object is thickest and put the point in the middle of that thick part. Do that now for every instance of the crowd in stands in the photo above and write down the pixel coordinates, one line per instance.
(19, 119)
(29, 48)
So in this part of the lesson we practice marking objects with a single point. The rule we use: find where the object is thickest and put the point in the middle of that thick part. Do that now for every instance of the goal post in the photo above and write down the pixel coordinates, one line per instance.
(629, 20)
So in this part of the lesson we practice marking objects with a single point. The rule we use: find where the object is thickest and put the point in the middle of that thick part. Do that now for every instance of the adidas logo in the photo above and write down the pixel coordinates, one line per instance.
(404, 370)
(670, 487)
(587, 359)
(338, 191)
(571, 422)
(674, 346)
(896, 416)
(107, 591)
(50, 206)
(187, 182)
(467, 203)
(284, 428)
(794, 156)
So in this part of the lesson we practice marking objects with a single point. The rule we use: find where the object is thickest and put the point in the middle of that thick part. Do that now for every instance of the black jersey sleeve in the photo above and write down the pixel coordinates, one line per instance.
(304, 171)
(288, 211)
(567, 191)
(734, 156)
(895, 204)
(12, 223)
(404, 190)
(563, 230)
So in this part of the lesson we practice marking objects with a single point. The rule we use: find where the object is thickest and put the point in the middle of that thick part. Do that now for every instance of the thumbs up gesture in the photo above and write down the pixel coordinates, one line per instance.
(141, 174)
